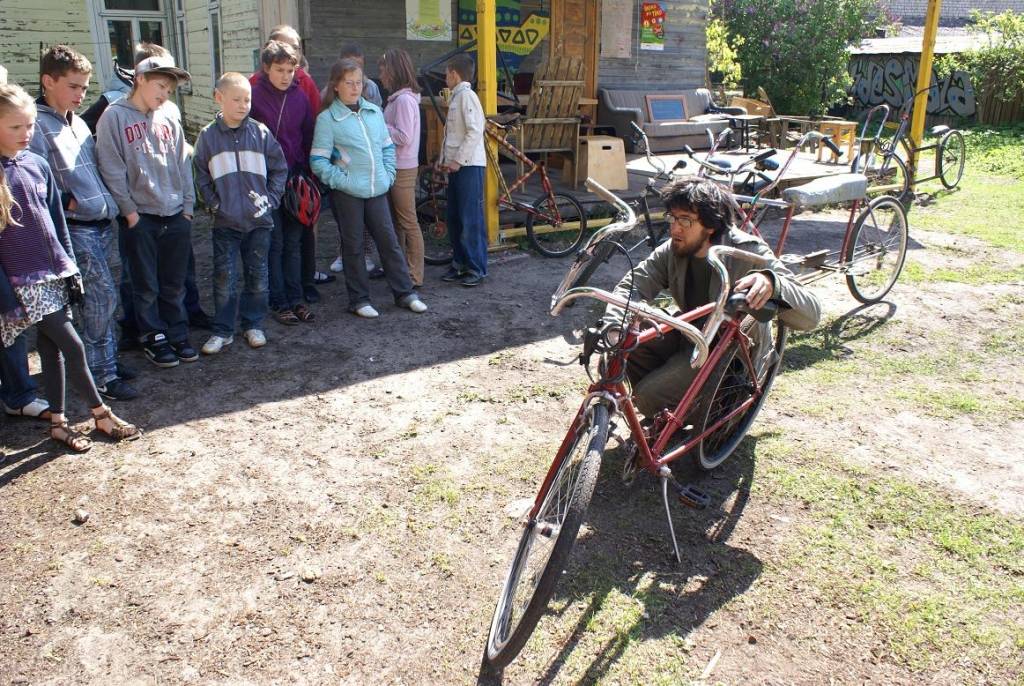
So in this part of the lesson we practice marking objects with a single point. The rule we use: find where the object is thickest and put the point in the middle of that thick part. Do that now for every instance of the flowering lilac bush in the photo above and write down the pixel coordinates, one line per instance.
(796, 49)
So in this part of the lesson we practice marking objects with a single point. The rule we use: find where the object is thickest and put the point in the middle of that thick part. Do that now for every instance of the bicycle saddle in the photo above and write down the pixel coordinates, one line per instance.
(827, 190)
(724, 164)
(938, 130)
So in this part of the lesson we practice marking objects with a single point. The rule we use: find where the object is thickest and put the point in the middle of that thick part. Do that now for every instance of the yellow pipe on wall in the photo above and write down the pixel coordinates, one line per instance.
(487, 89)
(924, 80)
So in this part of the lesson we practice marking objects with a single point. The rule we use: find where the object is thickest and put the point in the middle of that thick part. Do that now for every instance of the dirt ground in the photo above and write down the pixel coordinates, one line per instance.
(338, 506)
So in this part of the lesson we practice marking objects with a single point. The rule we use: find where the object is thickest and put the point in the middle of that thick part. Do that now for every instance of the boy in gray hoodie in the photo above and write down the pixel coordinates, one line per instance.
(145, 163)
(241, 174)
(66, 142)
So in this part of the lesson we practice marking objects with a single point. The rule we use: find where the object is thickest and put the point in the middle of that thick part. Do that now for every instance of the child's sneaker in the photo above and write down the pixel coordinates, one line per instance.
(216, 343)
(255, 338)
(413, 302)
(185, 351)
(367, 311)
(159, 351)
(337, 266)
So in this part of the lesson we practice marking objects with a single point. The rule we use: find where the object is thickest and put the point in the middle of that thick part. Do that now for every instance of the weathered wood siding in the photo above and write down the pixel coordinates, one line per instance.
(377, 25)
(25, 24)
(240, 36)
(680, 65)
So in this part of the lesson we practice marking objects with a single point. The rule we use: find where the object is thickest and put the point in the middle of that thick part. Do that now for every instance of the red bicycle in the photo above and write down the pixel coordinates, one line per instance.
(738, 353)
(554, 223)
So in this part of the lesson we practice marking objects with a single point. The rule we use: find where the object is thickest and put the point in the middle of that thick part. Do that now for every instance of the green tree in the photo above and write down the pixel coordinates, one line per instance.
(797, 49)
(998, 66)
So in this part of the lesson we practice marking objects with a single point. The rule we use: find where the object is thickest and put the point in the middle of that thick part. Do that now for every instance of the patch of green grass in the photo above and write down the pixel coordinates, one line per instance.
(432, 487)
(977, 274)
(996, 150)
(941, 582)
(984, 207)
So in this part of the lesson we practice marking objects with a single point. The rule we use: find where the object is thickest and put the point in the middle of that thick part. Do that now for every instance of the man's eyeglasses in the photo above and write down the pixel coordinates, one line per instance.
(682, 221)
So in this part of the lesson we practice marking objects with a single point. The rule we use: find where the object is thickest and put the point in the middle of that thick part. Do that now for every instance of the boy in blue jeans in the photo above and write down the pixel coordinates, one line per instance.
(463, 157)
(241, 173)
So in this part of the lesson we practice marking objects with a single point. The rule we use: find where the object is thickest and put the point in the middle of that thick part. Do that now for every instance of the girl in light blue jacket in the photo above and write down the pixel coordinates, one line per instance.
(354, 156)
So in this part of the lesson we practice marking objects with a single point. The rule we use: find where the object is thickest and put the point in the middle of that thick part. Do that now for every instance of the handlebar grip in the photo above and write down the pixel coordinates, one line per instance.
(832, 146)
(603, 192)
(688, 150)
(681, 164)
(636, 128)
(762, 156)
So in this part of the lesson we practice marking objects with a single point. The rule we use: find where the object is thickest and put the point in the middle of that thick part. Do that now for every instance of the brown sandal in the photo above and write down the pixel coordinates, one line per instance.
(286, 317)
(76, 440)
(121, 431)
(304, 314)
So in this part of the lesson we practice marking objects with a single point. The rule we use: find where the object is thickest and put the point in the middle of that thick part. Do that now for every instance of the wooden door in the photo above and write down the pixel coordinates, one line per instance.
(565, 39)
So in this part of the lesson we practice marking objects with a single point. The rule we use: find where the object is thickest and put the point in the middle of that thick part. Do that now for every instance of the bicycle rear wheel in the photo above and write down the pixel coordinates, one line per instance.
(951, 156)
(889, 176)
(546, 541)
(564, 225)
(877, 249)
(731, 384)
(431, 214)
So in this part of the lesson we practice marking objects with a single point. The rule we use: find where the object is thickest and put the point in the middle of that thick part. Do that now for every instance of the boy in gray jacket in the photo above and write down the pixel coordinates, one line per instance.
(64, 139)
(145, 164)
(241, 172)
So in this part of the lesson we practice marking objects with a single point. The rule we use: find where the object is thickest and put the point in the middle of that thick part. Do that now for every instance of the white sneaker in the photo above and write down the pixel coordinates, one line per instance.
(255, 338)
(337, 265)
(416, 305)
(215, 344)
(367, 311)
(370, 266)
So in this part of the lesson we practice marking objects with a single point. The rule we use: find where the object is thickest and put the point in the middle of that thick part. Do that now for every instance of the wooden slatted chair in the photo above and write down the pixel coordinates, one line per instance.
(552, 121)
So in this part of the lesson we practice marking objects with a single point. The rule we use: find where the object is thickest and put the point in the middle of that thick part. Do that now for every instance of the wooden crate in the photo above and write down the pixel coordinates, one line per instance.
(604, 159)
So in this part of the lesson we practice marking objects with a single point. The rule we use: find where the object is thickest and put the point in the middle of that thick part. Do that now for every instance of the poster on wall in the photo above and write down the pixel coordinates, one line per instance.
(616, 28)
(652, 26)
(428, 20)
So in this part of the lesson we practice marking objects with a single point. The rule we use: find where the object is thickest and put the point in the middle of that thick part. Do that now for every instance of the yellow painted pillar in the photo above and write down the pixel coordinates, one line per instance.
(924, 80)
(487, 89)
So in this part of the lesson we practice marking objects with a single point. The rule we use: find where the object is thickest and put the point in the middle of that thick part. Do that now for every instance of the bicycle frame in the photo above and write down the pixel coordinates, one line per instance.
(505, 196)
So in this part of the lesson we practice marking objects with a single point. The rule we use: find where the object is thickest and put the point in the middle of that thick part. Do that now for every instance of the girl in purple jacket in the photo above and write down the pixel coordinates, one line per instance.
(36, 264)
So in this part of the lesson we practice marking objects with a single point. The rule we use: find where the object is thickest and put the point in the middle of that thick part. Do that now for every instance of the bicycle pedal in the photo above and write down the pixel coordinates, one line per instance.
(691, 496)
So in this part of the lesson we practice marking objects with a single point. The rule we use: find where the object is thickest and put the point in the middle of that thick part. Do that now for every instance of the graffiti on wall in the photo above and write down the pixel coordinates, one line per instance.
(891, 79)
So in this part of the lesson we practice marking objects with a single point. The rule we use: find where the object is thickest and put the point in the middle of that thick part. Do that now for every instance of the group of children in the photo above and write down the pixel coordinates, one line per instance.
(252, 167)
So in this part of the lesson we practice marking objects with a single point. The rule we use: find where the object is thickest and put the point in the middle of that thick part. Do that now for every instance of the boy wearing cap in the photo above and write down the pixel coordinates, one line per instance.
(144, 161)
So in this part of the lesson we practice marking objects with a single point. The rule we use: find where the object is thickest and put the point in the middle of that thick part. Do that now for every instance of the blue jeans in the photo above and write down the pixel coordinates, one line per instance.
(158, 252)
(285, 262)
(92, 244)
(254, 246)
(466, 228)
(16, 386)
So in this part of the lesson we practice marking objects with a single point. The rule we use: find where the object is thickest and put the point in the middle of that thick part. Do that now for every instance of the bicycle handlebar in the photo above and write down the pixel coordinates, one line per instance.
(689, 331)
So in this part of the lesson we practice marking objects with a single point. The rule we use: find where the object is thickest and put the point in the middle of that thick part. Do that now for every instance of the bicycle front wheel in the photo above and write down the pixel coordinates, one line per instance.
(951, 155)
(602, 253)
(731, 385)
(558, 226)
(546, 541)
(432, 216)
(877, 249)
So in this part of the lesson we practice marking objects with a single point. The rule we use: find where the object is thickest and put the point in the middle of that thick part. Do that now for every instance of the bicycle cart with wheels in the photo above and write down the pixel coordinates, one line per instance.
(894, 155)
(737, 354)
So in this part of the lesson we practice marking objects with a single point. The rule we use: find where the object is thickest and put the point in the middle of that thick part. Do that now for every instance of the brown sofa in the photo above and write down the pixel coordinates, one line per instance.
(619, 108)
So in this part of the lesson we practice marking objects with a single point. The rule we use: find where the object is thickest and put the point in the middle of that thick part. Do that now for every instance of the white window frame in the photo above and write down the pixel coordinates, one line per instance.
(216, 39)
(170, 14)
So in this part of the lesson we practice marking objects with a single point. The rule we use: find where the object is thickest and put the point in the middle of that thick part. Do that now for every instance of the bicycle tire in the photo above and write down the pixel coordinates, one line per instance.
(555, 210)
(731, 384)
(571, 488)
(883, 243)
(952, 143)
(437, 247)
(602, 253)
(878, 176)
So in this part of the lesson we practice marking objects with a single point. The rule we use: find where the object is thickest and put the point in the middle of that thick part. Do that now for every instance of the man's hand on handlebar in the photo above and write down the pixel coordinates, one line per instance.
(758, 287)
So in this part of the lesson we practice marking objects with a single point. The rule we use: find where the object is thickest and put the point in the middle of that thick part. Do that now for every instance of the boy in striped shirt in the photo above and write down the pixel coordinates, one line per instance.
(241, 172)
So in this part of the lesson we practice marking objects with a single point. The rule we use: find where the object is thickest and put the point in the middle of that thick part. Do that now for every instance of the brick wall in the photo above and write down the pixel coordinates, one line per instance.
(954, 12)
